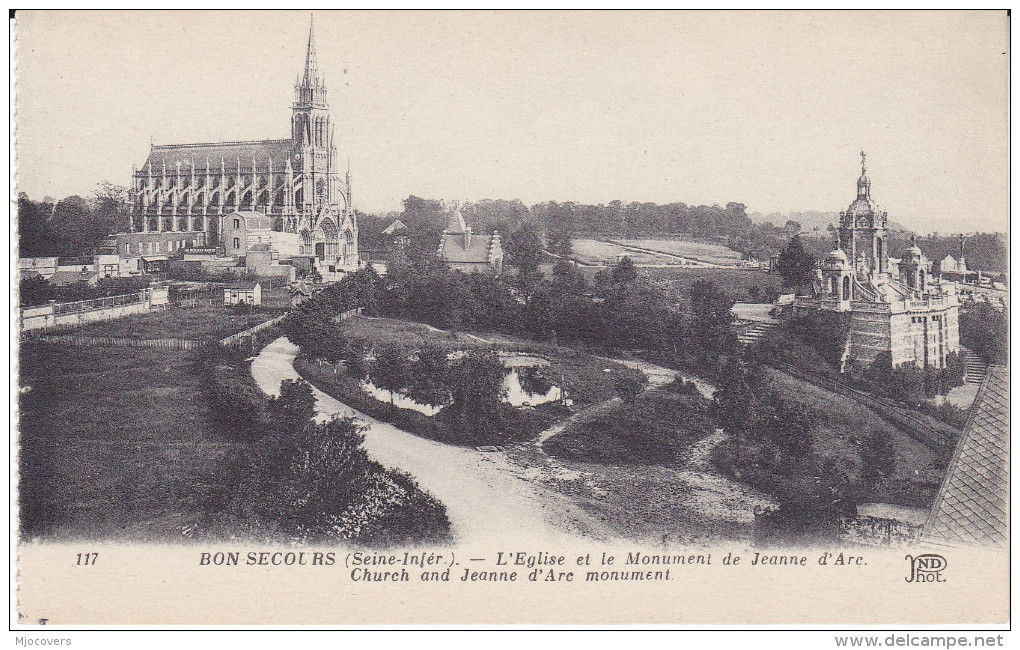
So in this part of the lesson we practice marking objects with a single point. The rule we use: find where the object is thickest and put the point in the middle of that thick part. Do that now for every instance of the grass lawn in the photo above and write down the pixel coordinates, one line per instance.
(115, 441)
(593, 251)
(202, 322)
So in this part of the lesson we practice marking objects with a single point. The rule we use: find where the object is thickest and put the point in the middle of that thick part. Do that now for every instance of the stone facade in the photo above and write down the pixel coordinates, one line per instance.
(899, 308)
(296, 184)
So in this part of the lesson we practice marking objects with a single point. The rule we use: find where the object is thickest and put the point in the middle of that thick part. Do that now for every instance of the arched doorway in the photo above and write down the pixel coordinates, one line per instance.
(846, 288)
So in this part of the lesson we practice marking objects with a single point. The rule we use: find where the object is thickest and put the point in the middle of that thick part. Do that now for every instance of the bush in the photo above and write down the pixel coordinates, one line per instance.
(629, 383)
(658, 428)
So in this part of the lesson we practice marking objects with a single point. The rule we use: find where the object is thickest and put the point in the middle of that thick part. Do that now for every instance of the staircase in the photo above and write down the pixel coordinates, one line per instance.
(974, 367)
(755, 331)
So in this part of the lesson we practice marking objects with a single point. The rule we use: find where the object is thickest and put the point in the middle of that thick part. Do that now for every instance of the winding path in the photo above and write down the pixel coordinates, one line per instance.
(486, 501)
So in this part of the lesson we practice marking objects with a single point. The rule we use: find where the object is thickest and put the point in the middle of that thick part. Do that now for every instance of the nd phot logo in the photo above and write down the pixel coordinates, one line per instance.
(926, 568)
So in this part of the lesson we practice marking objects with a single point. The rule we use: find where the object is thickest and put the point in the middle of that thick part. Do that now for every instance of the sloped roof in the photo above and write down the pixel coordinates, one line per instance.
(396, 226)
(196, 154)
(456, 224)
(972, 506)
(246, 286)
(451, 248)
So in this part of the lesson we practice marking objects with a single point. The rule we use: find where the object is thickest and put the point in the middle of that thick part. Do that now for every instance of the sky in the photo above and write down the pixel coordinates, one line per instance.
(766, 109)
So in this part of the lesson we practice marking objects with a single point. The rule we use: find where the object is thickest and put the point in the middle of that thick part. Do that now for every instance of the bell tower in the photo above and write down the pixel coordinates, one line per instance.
(312, 133)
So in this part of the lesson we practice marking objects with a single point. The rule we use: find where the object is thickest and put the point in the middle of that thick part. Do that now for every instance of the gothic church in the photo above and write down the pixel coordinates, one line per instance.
(294, 187)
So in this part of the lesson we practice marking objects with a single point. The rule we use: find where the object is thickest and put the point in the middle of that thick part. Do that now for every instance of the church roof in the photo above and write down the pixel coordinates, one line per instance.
(972, 505)
(262, 151)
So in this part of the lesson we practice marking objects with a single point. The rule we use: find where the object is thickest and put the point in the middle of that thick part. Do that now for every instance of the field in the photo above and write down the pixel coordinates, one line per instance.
(113, 441)
(695, 250)
(600, 253)
(202, 322)
(603, 252)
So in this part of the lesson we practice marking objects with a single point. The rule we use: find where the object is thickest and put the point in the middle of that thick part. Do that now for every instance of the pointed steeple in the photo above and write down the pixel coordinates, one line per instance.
(311, 77)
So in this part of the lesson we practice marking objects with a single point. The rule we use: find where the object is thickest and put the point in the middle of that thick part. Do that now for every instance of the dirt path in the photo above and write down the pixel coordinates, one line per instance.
(710, 497)
(486, 498)
(713, 495)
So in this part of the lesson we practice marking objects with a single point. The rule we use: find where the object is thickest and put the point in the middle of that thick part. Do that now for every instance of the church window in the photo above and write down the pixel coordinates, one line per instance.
(846, 288)
(237, 223)
(237, 243)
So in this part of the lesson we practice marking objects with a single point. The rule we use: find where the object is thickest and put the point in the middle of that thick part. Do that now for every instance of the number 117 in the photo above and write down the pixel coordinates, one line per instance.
(87, 559)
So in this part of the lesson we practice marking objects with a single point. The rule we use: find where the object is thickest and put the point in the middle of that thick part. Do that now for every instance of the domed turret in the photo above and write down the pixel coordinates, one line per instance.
(836, 260)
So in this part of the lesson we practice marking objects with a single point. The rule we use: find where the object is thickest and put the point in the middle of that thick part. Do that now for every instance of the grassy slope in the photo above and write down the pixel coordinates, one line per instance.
(842, 426)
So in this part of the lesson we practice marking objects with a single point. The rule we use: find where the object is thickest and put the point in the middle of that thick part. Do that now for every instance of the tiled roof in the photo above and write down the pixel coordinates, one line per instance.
(972, 506)
(451, 248)
(196, 154)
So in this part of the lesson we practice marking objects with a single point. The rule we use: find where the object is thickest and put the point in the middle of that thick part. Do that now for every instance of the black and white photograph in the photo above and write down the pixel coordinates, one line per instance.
(613, 317)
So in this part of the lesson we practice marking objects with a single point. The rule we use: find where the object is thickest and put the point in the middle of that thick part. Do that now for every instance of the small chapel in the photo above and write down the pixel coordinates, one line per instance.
(894, 305)
(288, 195)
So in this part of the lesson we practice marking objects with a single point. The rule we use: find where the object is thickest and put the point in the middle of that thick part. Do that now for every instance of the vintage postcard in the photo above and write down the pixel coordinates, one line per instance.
(512, 318)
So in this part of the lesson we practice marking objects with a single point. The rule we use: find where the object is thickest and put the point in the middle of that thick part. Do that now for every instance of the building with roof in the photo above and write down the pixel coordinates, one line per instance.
(465, 251)
(901, 309)
(972, 506)
(292, 185)
(242, 293)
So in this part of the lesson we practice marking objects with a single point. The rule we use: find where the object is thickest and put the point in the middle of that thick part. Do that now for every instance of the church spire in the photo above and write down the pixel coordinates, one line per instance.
(311, 77)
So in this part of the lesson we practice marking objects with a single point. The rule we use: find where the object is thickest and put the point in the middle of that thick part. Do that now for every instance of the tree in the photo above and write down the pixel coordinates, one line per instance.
(35, 291)
(624, 272)
(795, 264)
(878, 458)
(524, 249)
(390, 370)
(629, 383)
(476, 387)
(428, 380)
(36, 237)
(110, 208)
(985, 330)
(294, 408)
(354, 358)
(711, 337)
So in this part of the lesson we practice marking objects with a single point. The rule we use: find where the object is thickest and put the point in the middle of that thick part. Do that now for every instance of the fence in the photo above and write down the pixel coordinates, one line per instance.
(345, 315)
(63, 315)
(117, 342)
(245, 336)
